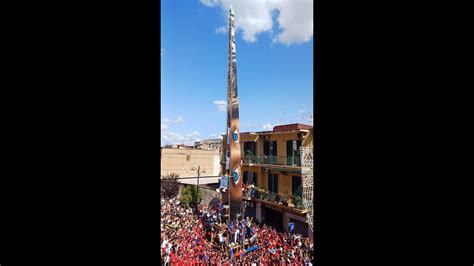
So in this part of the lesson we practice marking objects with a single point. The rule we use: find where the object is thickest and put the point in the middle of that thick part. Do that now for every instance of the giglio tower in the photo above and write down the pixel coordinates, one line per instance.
(233, 156)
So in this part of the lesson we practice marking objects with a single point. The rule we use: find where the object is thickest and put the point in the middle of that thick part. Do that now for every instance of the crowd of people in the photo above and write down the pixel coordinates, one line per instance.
(199, 236)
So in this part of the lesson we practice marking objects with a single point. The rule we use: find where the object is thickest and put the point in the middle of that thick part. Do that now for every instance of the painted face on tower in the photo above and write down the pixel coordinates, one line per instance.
(236, 176)
(235, 136)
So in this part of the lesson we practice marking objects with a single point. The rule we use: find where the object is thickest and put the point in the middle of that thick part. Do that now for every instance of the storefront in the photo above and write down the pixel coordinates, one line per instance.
(300, 227)
(274, 218)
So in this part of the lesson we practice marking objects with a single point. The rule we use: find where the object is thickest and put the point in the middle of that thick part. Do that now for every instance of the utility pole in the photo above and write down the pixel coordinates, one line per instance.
(197, 187)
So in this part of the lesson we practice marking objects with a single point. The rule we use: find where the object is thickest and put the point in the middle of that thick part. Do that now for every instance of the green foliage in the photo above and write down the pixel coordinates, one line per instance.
(298, 202)
(299, 191)
(189, 196)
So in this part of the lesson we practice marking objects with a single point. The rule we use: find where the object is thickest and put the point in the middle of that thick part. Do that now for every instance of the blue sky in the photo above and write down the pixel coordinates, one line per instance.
(274, 66)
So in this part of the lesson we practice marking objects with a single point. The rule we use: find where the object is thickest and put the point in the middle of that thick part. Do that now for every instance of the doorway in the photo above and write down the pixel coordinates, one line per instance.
(274, 218)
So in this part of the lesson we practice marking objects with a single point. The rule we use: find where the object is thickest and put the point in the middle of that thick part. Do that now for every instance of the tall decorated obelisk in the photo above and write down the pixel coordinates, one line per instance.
(233, 134)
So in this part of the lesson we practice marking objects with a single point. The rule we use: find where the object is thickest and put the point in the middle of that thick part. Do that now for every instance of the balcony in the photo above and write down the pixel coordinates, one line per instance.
(288, 202)
(273, 160)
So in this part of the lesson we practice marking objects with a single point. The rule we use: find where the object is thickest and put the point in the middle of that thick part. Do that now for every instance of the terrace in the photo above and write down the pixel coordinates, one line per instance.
(293, 203)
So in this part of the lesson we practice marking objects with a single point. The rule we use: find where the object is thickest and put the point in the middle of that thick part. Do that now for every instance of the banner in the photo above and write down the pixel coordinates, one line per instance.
(252, 249)
(224, 182)
(291, 225)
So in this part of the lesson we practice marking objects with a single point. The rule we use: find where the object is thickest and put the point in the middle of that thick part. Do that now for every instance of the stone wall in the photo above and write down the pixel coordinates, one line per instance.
(208, 195)
(184, 162)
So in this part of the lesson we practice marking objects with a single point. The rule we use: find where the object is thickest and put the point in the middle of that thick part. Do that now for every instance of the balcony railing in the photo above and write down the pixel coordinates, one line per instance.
(277, 198)
(269, 159)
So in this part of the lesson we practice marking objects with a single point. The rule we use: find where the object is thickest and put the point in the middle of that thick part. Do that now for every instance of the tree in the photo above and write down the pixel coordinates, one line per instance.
(185, 198)
(169, 185)
(196, 196)
(189, 197)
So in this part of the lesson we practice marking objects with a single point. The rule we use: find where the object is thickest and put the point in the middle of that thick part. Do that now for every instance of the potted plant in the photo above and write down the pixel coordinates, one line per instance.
(285, 200)
(291, 202)
(299, 202)
(279, 199)
(248, 156)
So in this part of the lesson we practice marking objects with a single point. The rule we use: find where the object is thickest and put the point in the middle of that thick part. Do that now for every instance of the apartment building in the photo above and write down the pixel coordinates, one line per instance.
(208, 144)
(271, 162)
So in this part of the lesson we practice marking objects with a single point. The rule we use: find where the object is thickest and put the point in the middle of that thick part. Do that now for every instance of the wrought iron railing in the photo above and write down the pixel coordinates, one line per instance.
(269, 159)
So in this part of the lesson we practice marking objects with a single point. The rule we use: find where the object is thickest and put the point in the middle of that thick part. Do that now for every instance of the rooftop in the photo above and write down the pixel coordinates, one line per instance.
(291, 127)
(281, 128)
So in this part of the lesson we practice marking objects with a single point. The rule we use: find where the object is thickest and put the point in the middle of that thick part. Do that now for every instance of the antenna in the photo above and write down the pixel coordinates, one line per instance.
(283, 117)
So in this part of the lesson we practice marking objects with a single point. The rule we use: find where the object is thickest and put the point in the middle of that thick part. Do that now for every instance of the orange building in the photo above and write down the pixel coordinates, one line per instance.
(271, 161)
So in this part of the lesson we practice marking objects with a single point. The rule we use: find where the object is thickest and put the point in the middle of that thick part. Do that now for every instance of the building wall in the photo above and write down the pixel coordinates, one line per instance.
(175, 161)
(217, 165)
(284, 181)
(284, 184)
(281, 140)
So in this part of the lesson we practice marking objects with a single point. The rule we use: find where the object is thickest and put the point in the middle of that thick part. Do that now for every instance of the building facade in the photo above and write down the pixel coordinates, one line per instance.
(208, 144)
(185, 161)
(271, 162)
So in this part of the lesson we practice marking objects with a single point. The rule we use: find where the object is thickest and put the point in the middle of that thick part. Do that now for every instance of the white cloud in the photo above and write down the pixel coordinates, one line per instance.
(168, 137)
(178, 120)
(295, 18)
(162, 51)
(296, 21)
(267, 127)
(221, 29)
(221, 105)
(164, 126)
(194, 134)
(166, 120)
(209, 3)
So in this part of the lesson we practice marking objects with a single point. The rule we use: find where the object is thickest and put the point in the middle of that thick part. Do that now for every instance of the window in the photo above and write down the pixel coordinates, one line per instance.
(273, 148)
(296, 187)
(188, 157)
(273, 183)
(249, 148)
(293, 147)
(270, 149)
(252, 177)
(245, 176)
(266, 147)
